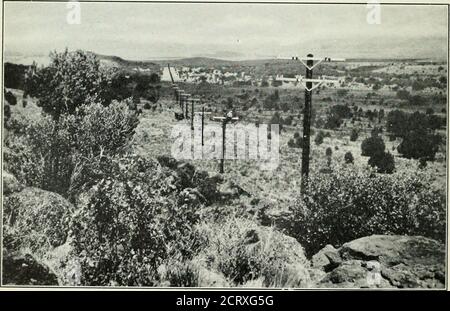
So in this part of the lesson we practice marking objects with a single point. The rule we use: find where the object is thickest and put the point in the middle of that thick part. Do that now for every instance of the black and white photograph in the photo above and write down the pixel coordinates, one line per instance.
(224, 145)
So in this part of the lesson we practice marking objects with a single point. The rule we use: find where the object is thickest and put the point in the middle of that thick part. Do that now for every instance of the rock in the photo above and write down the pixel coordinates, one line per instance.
(232, 190)
(40, 218)
(327, 258)
(395, 249)
(24, 269)
(10, 184)
(244, 251)
(384, 261)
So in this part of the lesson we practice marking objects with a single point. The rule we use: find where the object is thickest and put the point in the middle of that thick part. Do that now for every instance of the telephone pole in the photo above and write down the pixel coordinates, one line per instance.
(224, 121)
(307, 124)
(193, 101)
(308, 83)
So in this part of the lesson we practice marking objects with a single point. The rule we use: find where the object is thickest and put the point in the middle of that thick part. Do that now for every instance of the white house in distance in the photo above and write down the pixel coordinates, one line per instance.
(166, 74)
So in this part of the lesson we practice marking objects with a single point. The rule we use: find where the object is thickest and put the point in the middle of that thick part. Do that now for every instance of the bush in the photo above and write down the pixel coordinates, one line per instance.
(348, 204)
(319, 138)
(244, 252)
(372, 145)
(147, 106)
(419, 144)
(132, 222)
(291, 143)
(296, 142)
(60, 155)
(348, 157)
(6, 112)
(10, 98)
(384, 162)
(36, 220)
(72, 80)
(422, 163)
(333, 121)
(328, 152)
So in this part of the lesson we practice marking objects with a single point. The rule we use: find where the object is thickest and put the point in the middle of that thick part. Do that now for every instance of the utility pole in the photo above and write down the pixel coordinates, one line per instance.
(203, 122)
(307, 124)
(307, 82)
(224, 121)
(186, 106)
(193, 101)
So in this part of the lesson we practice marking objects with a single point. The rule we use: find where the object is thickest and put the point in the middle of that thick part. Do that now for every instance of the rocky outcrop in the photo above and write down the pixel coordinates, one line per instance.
(382, 261)
(24, 269)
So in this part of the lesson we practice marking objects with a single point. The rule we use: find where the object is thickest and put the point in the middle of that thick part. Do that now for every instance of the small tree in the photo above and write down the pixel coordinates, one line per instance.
(422, 163)
(319, 138)
(354, 135)
(372, 145)
(71, 80)
(419, 144)
(384, 161)
(348, 157)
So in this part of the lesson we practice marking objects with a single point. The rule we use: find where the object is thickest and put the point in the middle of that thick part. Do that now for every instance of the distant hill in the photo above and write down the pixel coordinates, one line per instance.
(196, 62)
(116, 61)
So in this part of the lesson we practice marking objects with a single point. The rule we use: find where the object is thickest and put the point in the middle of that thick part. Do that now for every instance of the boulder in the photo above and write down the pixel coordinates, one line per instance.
(244, 251)
(383, 261)
(24, 269)
(40, 218)
(327, 258)
(10, 184)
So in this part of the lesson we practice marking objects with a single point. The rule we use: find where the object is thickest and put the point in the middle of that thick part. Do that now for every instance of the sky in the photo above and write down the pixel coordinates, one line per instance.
(145, 31)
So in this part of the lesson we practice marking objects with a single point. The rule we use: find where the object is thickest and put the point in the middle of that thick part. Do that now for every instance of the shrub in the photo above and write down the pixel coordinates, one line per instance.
(372, 145)
(10, 98)
(131, 223)
(36, 220)
(6, 112)
(147, 106)
(288, 120)
(422, 163)
(333, 121)
(243, 252)
(328, 152)
(348, 157)
(348, 204)
(60, 155)
(72, 80)
(291, 143)
(296, 142)
(319, 138)
(419, 144)
(384, 162)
